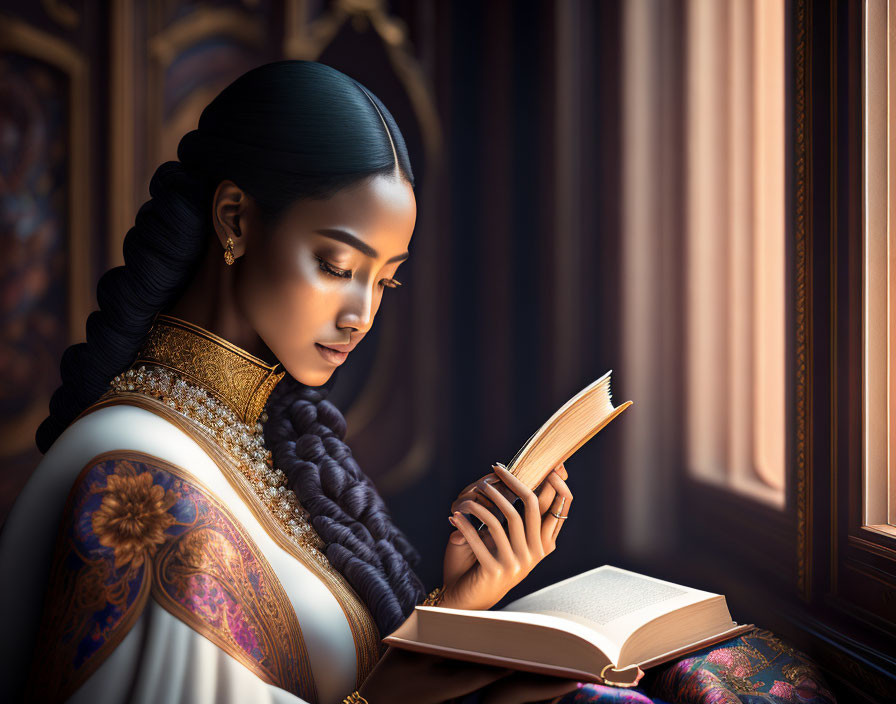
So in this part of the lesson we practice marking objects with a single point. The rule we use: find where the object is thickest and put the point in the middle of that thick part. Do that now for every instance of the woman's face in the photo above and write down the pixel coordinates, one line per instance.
(312, 284)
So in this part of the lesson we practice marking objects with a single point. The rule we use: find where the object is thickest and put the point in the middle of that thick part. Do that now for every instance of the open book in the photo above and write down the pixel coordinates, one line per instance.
(574, 424)
(605, 625)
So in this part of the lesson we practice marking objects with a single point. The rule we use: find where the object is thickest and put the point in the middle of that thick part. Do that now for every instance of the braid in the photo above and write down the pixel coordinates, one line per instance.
(305, 434)
(160, 253)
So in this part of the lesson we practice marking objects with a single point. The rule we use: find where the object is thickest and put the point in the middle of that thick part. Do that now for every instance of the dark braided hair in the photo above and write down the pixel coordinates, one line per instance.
(283, 132)
(304, 432)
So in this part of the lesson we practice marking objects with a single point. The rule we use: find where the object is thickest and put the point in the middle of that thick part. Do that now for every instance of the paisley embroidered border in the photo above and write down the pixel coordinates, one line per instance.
(135, 525)
(368, 646)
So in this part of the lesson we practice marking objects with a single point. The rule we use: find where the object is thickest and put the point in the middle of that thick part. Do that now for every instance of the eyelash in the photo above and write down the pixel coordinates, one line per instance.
(327, 268)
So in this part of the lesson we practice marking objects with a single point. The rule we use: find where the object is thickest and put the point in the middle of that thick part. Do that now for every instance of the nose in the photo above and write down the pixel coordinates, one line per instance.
(358, 312)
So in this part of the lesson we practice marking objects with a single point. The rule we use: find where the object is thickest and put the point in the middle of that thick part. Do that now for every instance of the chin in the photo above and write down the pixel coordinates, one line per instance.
(311, 377)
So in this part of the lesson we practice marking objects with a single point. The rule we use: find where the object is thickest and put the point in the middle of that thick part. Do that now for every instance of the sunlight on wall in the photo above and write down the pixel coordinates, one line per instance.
(735, 245)
(879, 485)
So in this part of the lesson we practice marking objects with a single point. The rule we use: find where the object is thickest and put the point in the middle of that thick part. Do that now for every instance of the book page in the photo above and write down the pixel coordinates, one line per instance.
(612, 601)
(571, 426)
(600, 599)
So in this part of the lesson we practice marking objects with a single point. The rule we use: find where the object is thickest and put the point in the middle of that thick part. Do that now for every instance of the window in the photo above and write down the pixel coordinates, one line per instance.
(879, 275)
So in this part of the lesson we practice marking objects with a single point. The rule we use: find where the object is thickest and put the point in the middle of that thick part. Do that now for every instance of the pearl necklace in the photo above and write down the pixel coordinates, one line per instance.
(244, 443)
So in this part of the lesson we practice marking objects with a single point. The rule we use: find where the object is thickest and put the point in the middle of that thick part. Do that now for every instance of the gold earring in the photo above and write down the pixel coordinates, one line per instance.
(228, 252)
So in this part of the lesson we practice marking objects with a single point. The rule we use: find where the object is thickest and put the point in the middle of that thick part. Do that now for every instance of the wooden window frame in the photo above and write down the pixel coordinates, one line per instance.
(813, 572)
(857, 576)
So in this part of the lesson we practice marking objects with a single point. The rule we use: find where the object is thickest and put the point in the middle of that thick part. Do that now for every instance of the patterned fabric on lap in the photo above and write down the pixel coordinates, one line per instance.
(134, 527)
(755, 668)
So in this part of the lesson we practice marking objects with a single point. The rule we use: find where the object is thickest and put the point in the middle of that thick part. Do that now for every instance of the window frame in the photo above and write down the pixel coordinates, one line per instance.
(846, 573)
(814, 573)
(861, 564)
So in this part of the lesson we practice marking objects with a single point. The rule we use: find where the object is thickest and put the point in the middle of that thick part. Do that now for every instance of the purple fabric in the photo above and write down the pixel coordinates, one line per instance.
(755, 668)
(590, 693)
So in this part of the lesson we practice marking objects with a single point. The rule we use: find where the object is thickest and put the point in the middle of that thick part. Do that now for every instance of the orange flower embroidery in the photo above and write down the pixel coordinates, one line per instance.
(133, 516)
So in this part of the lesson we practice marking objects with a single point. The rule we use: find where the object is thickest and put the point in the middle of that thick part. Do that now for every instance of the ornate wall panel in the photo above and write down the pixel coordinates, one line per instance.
(45, 211)
(170, 60)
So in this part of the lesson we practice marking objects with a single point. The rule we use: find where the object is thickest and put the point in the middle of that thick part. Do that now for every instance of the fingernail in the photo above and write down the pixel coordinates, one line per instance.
(451, 521)
(580, 684)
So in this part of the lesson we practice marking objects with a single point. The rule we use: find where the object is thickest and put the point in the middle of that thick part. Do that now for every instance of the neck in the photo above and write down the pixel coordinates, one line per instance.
(210, 302)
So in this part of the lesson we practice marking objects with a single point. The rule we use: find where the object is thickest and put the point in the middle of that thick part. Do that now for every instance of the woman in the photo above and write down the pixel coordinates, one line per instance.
(197, 530)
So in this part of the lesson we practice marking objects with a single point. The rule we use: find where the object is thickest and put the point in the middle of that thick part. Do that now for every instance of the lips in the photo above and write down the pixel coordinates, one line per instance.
(331, 355)
(339, 348)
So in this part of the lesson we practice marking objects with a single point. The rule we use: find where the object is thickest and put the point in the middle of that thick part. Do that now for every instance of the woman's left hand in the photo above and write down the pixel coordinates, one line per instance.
(480, 567)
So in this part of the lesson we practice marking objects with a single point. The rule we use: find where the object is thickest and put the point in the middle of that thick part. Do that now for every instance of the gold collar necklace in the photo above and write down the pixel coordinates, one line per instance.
(223, 389)
(240, 380)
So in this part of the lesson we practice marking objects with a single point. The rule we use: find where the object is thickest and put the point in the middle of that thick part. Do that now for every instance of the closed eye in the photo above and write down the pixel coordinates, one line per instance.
(328, 268)
(331, 270)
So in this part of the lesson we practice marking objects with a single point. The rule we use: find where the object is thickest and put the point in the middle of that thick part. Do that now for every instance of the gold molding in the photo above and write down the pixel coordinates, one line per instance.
(168, 42)
(803, 337)
(23, 39)
(307, 40)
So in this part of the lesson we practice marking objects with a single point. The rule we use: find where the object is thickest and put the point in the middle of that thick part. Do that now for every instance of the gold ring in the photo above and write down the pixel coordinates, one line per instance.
(557, 515)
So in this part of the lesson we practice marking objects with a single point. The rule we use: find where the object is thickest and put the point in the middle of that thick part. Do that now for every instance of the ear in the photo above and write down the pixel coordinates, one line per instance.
(230, 216)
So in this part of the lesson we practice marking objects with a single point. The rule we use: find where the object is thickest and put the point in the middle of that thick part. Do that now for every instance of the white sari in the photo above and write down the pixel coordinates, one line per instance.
(282, 630)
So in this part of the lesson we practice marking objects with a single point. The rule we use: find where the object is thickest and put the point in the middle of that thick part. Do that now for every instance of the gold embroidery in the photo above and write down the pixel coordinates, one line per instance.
(133, 517)
(234, 376)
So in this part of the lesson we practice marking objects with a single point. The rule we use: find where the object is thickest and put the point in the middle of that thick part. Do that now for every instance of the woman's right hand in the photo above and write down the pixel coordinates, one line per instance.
(479, 568)
(404, 676)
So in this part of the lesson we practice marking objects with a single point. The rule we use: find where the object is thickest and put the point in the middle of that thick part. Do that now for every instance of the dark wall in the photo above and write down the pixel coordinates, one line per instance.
(500, 278)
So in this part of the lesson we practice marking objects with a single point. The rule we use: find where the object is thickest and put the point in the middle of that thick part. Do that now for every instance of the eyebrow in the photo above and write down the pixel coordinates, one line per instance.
(352, 241)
